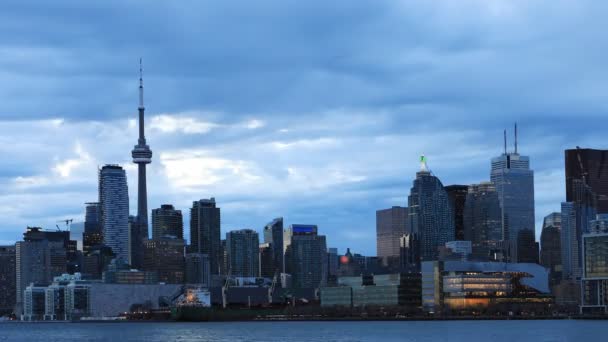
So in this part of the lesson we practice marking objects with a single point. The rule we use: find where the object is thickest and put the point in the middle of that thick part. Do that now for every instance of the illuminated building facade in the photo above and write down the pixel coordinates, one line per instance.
(594, 285)
(457, 285)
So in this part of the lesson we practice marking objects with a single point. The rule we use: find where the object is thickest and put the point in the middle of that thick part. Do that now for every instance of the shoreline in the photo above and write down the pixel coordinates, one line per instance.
(330, 319)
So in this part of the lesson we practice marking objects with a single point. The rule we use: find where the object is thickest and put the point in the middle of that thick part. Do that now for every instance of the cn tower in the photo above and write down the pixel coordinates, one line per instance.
(142, 155)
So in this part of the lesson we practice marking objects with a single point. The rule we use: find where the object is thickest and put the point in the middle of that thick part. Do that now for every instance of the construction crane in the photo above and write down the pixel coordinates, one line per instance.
(67, 224)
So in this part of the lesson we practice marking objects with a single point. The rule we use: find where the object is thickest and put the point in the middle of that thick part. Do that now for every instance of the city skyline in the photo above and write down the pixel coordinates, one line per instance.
(265, 151)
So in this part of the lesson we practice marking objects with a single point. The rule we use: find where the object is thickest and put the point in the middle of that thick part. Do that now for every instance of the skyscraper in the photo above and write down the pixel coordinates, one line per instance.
(457, 195)
(142, 155)
(197, 269)
(430, 213)
(514, 182)
(93, 233)
(41, 256)
(114, 209)
(205, 231)
(166, 258)
(575, 219)
(391, 225)
(267, 269)
(273, 234)
(482, 221)
(243, 251)
(550, 243)
(8, 283)
(528, 247)
(167, 222)
(307, 255)
(593, 166)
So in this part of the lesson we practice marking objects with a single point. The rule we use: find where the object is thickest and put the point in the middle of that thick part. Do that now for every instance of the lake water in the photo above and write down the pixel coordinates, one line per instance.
(493, 331)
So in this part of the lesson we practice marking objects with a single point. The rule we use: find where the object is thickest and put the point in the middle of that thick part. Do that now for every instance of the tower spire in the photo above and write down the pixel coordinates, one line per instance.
(141, 85)
(505, 137)
(516, 138)
(423, 166)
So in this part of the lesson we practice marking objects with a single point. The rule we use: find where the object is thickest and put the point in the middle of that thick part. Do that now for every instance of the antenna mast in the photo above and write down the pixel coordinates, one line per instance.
(141, 86)
(505, 137)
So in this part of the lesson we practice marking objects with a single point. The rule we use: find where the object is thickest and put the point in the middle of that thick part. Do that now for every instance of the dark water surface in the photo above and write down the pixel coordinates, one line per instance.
(493, 331)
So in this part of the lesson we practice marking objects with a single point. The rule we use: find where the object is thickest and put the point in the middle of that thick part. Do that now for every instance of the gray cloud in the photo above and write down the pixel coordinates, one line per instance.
(311, 110)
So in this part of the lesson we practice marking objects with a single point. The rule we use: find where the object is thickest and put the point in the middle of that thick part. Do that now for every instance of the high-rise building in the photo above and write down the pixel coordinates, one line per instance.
(307, 255)
(273, 234)
(333, 261)
(205, 231)
(39, 257)
(391, 225)
(197, 269)
(409, 258)
(592, 165)
(550, 243)
(142, 155)
(528, 247)
(167, 222)
(576, 216)
(136, 244)
(166, 258)
(114, 209)
(96, 260)
(8, 283)
(93, 232)
(223, 260)
(482, 221)
(430, 213)
(243, 250)
(457, 195)
(267, 269)
(514, 182)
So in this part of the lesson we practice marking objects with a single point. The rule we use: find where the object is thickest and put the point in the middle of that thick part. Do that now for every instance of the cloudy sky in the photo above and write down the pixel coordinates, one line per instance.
(312, 110)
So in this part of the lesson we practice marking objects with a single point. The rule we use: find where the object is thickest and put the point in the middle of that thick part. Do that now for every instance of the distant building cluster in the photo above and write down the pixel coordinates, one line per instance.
(456, 248)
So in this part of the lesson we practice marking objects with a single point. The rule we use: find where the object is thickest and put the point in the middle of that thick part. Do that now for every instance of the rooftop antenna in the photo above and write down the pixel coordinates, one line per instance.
(516, 138)
(505, 136)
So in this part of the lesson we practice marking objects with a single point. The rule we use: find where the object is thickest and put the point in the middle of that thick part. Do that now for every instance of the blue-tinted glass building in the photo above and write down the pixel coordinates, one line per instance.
(273, 235)
(430, 214)
(514, 182)
(576, 216)
(114, 209)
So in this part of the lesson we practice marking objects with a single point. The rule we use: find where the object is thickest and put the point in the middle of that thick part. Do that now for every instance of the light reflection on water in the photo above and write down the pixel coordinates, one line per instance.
(493, 331)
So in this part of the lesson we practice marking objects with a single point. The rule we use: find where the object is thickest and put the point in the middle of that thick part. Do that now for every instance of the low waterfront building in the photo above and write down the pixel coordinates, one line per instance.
(337, 296)
(33, 303)
(456, 285)
(70, 298)
(374, 290)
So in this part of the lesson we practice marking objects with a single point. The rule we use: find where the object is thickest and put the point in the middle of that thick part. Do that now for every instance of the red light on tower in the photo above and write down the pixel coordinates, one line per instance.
(344, 259)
